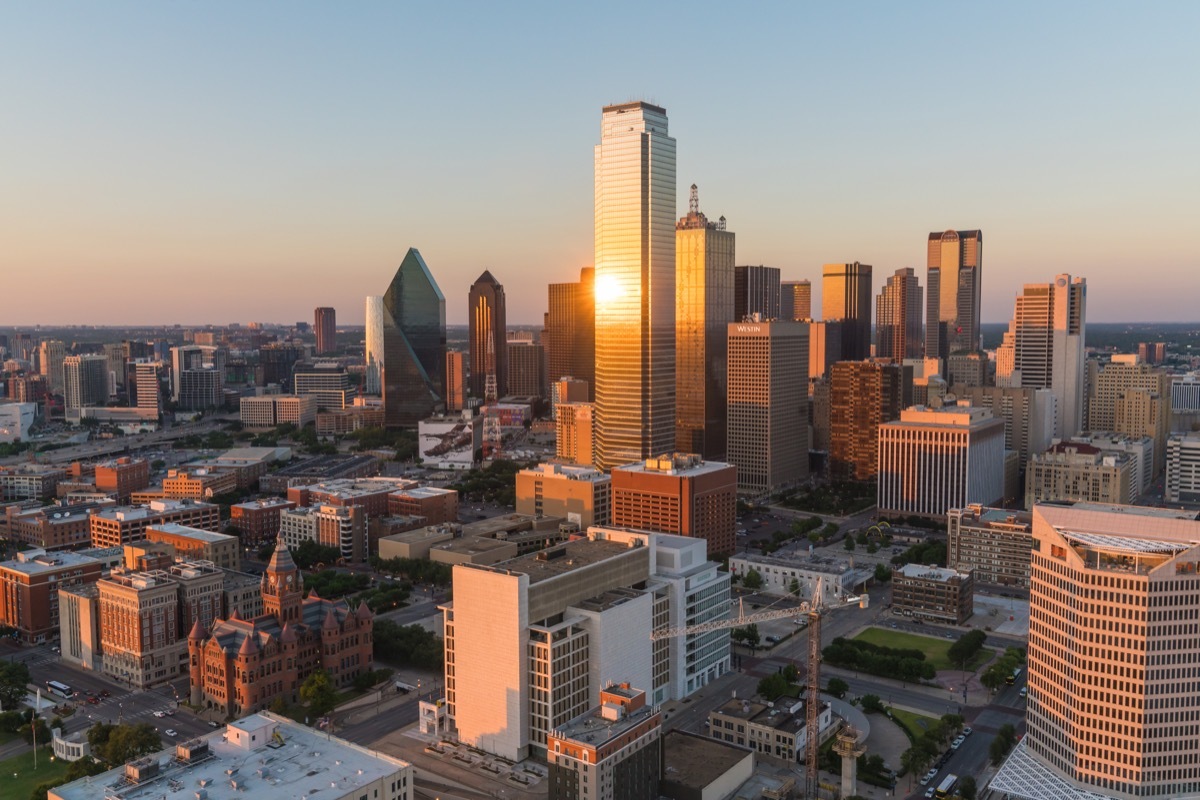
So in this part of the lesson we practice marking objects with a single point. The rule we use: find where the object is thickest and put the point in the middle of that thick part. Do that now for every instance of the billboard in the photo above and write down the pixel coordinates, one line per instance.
(449, 443)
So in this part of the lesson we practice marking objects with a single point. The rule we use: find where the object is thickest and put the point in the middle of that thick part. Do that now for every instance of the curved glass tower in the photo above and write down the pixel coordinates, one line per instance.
(414, 344)
(374, 349)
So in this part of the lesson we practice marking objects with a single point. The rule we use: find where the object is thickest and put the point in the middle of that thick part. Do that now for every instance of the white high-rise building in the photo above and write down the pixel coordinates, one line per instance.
(1044, 347)
(635, 285)
(146, 386)
(1183, 468)
(374, 348)
(531, 642)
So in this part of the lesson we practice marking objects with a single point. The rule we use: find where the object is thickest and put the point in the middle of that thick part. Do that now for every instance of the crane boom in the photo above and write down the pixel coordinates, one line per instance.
(743, 619)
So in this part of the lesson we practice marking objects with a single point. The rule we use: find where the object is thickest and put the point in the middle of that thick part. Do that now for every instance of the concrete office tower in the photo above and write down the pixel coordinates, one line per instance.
(145, 386)
(862, 396)
(678, 493)
(899, 327)
(768, 404)
(114, 353)
(704, 303)
(795, 300)
(846, 297)
(1183, 468)
(1152, 352)
(530, 643)
(456, 381)
(1072, 472)
(569, 335)
(955, 263)
(1114, 592)
(1028, 415)
(325, 325)
(635, 285)
(1129, 396)
(526, 365)
(488, 335)
(373, 353)
(414, 344)
(756, 291)
(581, 495)
(85, 381)
(1044, 347)
(51, 353)
(575, 433)
(932, 460)
(197, 376)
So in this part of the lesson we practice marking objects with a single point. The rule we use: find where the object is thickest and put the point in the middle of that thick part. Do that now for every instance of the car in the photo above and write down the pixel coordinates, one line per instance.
(931, 792)
(170, 732)
(1024, 691)
(957, 743)
(94, 701)
(928, 777)
(772, 639)
(170, 712)
(106, 693)
(894, 625)
(213, 724)
(967, 732)
(160, 714)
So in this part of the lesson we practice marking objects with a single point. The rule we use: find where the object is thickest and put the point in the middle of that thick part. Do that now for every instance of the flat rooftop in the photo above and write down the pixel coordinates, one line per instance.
(800, 560)
(265, 503)
(941, 574)
(302, 762)
(470, 545)
(593, 729)
(695, 761)
(569, 472)
(318, 466)
(421, 492)
(677, 464)
(1140, 511)
(35, 562)
(561, 559)
(155, 509)
(174, 529)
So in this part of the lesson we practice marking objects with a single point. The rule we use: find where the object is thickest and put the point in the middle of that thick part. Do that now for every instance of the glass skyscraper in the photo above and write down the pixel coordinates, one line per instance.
(635, 285)
(955, 262)
(414, 344)
(488, 335)
(846, 298)
(374, 350)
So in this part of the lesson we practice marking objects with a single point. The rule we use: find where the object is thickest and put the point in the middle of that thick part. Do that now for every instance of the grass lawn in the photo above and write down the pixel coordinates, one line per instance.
(27, 779)
(934, 649)
(917, 724)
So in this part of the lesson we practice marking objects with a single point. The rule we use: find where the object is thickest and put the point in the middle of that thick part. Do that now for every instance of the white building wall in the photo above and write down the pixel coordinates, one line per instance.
(619, 645)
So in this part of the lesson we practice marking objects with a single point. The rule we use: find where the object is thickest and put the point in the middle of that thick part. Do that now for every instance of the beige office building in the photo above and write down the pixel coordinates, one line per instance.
(193, 543)
(1078, 472)
(574, 426)
(582, 495)
(531, 642)
(993, 542)
(768, 408)
(1113, 658)
(79, 625)
(140, 639)
(1129, 396)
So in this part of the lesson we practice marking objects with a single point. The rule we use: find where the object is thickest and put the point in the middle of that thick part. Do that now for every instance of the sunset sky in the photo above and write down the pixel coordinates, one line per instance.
(235, 162)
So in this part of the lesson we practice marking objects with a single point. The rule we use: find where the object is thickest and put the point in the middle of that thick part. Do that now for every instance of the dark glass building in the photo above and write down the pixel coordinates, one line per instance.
(414, 344)
(488, 335)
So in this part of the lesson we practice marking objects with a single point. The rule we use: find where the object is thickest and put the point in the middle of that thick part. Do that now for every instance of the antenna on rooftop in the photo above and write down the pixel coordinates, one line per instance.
(694, 201)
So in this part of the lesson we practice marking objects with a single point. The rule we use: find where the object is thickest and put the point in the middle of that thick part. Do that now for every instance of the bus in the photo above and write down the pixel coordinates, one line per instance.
(1011, 679)
(946, 787)
(60, 689)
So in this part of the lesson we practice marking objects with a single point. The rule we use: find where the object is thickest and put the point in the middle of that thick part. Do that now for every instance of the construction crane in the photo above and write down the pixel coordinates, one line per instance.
(814, 609)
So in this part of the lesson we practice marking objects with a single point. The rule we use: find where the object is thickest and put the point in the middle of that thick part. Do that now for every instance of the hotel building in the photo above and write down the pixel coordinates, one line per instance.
(994, 543)
(1077, 472)
(681, 494)
(581, 495)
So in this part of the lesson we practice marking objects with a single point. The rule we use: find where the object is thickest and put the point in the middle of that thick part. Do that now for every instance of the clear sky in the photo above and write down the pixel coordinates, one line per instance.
(248, 161)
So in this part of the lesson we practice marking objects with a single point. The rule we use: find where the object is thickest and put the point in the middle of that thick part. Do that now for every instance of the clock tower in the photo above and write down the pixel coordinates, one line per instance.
(282, 587)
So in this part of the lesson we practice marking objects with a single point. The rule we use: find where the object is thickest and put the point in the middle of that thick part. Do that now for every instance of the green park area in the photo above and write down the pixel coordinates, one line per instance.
(937, 651)
(20, 778)
(916, 724)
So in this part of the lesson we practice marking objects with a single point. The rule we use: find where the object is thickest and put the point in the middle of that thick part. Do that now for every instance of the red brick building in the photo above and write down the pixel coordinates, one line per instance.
(680, 494)
(258, 520)
(123, 477)
(436, 505)
(243, 665)
(29, 587)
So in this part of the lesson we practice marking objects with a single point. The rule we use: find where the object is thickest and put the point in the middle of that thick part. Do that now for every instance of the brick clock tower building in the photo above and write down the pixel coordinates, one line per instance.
(241, 666)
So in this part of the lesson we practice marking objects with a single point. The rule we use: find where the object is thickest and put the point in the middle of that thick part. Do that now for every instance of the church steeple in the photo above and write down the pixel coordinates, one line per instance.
(282, 586)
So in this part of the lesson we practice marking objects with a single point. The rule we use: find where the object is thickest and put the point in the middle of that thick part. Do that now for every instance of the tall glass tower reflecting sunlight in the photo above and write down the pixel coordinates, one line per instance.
(635, 285)
(374, 349)
(414, 344)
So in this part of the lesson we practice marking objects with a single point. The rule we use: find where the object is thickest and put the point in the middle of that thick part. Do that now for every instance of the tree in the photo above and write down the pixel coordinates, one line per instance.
(968, 789)
(1006, 737)
(966, 648)
(309, 554)
(749, 636)
(774, 686)
(43, 731)
(837, 687)
(871, 704)
(915, 760)
(317, 690)
(84, 767)
(882, 573)
(753, 580)
(117, 744)
(409, 645)
(848, 543)
(790, 673)
(794, 587)
(14, 675)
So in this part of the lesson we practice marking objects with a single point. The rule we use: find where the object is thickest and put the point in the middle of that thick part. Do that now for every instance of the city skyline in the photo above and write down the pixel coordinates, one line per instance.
(143, 154)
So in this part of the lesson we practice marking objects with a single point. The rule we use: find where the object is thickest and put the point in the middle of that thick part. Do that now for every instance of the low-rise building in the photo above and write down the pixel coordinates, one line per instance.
(348, 420)
(678, 493)
(317, 469)
(120, 525)
(382, 527)
(933, 593)
(472, 550)
(435, 504)
(785, 570)
(775, 730)
(29, 586)
(79, 625)
(699, 768)
(198, 484)
(994, 543)
(611, 750)
(268, 754)
(581, 495)
(121, 477)
(247, 464)
(368, 494)
(30, 481)
(342, 527)
(1078, 472)
(198, 544)
(58, 527)
(268, 411)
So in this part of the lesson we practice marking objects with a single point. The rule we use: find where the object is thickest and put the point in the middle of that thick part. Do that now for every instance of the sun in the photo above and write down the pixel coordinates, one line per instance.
(608, 289)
